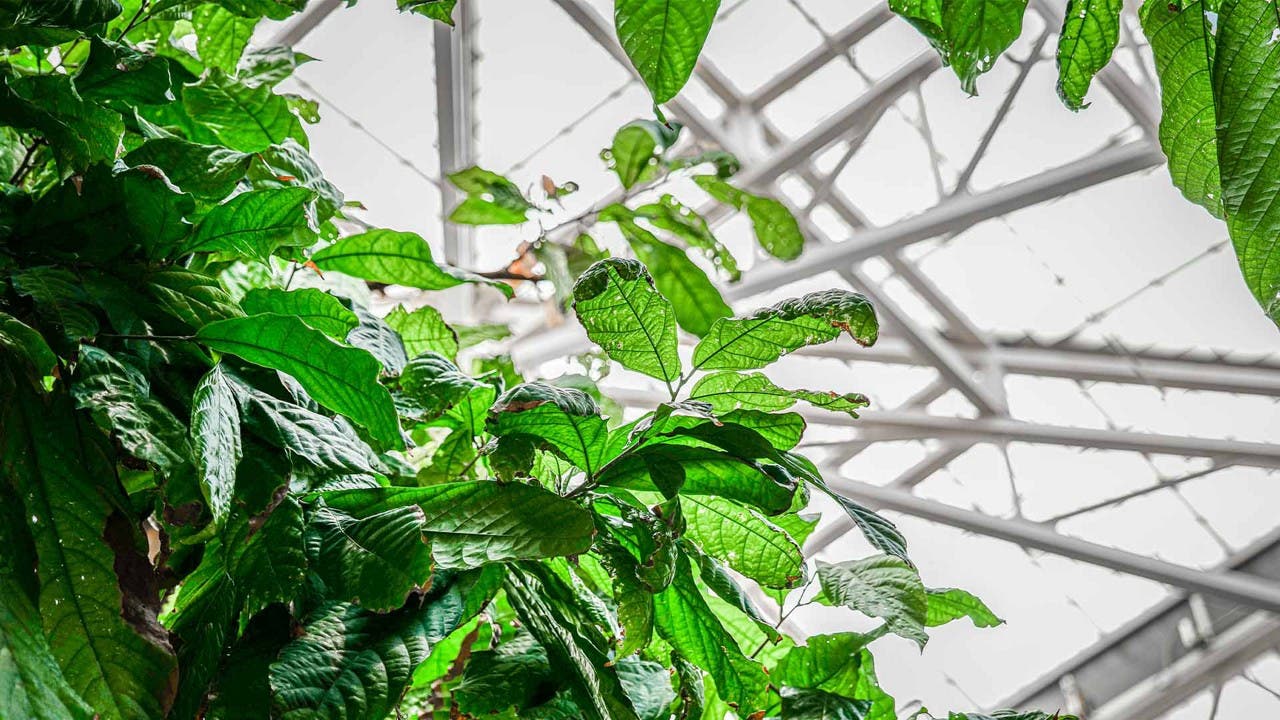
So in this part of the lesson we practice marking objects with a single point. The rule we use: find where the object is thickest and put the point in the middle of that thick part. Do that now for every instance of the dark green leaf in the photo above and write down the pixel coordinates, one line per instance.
(947, 604)
(430, 385)
(880, 586)
(80, 133)
(374, 560)
(341, 378)
(663, 39)
(514, 674)
(616, 302)
(31, 683)
(289, 165)
(648, 686)
(474, 523)
(316, 308)
(819, 705)
(59, 299)
(256, 224)
(700, 471)
(21, 339)
(379, 339)
(395, 258)
(71, 14)
(208, 172)
(1090, 31)
(566, 419)
(115, 71)
(190, 297)
(767, 334)
(240, 117)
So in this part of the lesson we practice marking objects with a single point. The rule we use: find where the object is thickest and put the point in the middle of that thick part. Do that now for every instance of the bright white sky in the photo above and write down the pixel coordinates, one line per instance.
(1042, 271)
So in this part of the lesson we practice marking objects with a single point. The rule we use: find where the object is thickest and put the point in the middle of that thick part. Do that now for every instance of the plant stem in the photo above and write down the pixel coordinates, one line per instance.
(28, 162)
(152, 338)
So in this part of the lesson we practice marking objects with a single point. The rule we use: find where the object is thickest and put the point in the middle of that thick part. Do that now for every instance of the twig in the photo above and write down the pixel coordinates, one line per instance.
(152, 338)
(28, 162)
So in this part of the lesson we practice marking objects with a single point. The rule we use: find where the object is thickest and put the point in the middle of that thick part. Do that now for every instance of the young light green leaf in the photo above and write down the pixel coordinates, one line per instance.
(696, 301)
(776, 229)
(256, 224)
(342, 379)
(474, 523)
(221, 36)
(671, 215)
(767, 334)
(947, 604)
(316, 308)
(1090, 31)
(374, 560)
(732, 390)
(637, 149)
(743, 539)
(623, 313)
(395, 258)
(491, 199)
(663, 39)
(978, 32)
(423, 330)
(1246, 79)
(1182, 45)
(564, 418)
(221, 104)
(880, 586)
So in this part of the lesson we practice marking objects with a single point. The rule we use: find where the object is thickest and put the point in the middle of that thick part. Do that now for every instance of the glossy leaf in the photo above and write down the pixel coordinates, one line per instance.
(636, 150)
(700, 471)
(222, 104)
(115, 71)
(617, 303)
(566, 419)
(80, 132)
(31, 683)
(424, 330)
(820, 705)
(663, 39)
(209, 172)
(767, 334)
(731, 390)
(671, 215)
(775, 228)
(880, 586)
(221, 36)
(316, 308)
(374, 560)
(696, 301)
(474, 523)
(947, 604)
(743, 539)
(256, 224)
(1090, 31)
(395, 258)
(831, 663)
(491, 199)
(341, 378)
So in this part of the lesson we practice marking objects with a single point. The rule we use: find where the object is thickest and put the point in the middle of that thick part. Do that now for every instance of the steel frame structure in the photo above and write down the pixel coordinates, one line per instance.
(1146, 667)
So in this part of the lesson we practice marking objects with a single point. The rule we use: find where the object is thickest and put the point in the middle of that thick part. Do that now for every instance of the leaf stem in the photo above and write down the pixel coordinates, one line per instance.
(152, 338)
(28, 162)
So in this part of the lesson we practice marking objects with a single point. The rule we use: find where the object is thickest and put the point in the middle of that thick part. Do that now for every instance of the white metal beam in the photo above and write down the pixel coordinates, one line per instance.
(454, 54)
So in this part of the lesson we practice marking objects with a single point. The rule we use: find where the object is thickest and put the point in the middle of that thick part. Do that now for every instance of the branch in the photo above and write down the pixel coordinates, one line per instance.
(28, 162)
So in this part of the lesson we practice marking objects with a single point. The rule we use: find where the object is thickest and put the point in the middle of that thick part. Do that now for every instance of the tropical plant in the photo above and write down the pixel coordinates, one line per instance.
(230, 490)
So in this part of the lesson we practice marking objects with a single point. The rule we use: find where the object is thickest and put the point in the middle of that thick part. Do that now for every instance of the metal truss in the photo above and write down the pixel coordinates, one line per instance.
(1151, 664)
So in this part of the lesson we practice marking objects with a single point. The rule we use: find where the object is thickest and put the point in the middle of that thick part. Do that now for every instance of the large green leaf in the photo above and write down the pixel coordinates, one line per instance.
(671, 215)
(947, 604)
(353, 664)
(820, 705)
(684, 620)
(242, 118)
(514, 674)
(209, 172)
(72, 14)
(342, 379)
(1246, 82)
(623, 313)
(221, 36)
(395, 258)
(59, 467)
(696, 301)
(978, 31)
(115, 71)
(826, 662)
(564, 418)
(289, 165)
(423, 330)
(744, 539)
(474, 523)
(59, 298)
(663, 39)
(732, 390)
(700, 471)
(767, 334)
(1090, 31)
(374, 560)
(80, 133)
(1182, 45)
(256, 224)
(316, 308)
(543, 606)
(430, 385)
(880, 586)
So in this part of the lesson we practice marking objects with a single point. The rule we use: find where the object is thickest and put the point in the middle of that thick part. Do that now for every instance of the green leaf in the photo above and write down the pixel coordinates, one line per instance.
(514, 674)
(776, 229)
(718, 580)
(79, 133)
(491, 199)
(743, 539)
(374, 560)
(558, 626)
(767, 334)
(71, 14)
(342, 379)
(441, 10)
(395, 258)
(564, 418)
(1246, 78)
(684, 620)
(31, 683)
(256, 224)
(269, 65)
(1183, 49)
(59, 465)
(116, 71)
(424, 330)
(696, 301)
(60, 300)
(732, 390)
(699, 471)
(637, 150)
(648, 686)
(878, 530)
(274, 9)
(819, 705)
(192, 298)
(221, 36)
(379, 339)
(209, 172)
(316, 308)
(289, 165)
(430, 385)
(947, 604)
(616, 302)
(663, 39)
(831, 663)
(21, 339)
(670, 215)
(978, 31)
(1090, 31)
(474, 523)
(880, 586)
(240, 117)
(352, 663)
